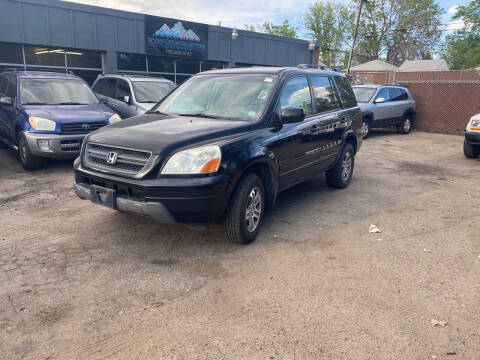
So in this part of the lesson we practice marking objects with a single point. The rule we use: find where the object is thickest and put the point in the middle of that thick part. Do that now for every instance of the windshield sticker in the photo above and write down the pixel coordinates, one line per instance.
(269, 80)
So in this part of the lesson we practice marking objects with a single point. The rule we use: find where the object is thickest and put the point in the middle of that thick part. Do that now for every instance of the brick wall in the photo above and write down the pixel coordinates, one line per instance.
(446, 100)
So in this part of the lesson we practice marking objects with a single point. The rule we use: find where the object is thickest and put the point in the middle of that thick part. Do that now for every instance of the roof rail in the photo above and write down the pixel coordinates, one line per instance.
(312, 66)
(397, 84)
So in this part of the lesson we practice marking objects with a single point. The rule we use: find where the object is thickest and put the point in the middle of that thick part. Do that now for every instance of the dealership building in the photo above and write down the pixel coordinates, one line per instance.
(88, 40)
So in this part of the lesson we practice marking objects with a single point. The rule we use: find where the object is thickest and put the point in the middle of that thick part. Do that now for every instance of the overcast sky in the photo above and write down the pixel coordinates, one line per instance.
(234, 12)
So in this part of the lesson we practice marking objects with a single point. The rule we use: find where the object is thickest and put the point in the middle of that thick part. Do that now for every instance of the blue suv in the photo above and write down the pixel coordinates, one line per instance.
(46, 114)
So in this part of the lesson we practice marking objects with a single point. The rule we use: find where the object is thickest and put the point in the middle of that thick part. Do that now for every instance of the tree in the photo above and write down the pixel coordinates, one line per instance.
(328, 22)
(284, 29)
(462, 47)
(399, 29)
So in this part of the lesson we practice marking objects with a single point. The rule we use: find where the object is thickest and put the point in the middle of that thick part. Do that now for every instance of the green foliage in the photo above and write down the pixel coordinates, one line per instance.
(284, 29)
(329, 23)
(249, 27)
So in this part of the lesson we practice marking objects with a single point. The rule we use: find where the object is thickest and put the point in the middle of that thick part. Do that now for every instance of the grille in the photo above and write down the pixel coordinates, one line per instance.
(128, 161)
(70, 145)
(82, 127)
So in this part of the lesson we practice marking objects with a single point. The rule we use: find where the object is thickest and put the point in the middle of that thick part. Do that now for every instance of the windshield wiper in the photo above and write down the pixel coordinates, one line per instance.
(36, 103)
(156, 112)
(200, 115)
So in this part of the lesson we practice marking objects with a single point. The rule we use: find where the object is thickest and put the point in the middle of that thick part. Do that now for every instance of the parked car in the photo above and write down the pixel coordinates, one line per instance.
(130, 95)
(385, 106)
(471, 145)
(46, 114)
(223, 145)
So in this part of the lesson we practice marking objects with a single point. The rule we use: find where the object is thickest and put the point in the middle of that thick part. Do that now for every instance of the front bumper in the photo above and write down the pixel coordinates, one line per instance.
(167, 199)
(473, 138)
(59, 146)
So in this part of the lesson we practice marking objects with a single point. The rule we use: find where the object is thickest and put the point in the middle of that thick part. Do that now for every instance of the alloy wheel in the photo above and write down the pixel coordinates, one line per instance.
(254, 209)
(346, 166)
(407, 124)
(364, 129)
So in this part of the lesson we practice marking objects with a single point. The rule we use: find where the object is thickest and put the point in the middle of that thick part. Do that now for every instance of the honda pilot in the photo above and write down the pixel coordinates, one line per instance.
(223, 145)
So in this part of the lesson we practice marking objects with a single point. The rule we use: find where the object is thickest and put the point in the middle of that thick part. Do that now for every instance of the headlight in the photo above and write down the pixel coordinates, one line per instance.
(114, 118)
(474, 124)
(202, 160)
(42, 124)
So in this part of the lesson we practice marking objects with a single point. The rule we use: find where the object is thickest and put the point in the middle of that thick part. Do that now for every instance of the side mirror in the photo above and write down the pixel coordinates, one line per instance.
(126, 99)
(6, 100)
(292, 115)
(380, 100)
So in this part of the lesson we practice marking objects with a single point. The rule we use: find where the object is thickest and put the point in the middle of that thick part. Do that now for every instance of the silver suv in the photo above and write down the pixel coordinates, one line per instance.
(385, 106)
(130, 95)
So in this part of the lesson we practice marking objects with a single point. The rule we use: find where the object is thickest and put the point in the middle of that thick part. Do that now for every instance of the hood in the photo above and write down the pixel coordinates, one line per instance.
(70, 113)
(162, 134)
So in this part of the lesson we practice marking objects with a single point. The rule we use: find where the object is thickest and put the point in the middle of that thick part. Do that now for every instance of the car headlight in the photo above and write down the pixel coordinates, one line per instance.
(42, 124)
(474, 124)
(114, 118)
(201, 160)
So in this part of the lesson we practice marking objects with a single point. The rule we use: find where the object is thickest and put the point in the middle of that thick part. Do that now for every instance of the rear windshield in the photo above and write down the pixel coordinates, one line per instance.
(55, 92)
(151, 91)
(364, 94)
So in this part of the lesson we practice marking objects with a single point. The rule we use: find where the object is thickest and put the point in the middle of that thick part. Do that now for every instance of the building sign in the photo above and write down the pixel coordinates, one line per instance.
(171, 37)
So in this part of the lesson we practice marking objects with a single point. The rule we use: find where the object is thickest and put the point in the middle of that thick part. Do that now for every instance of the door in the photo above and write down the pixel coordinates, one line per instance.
(382, 111)
(123, 97)
(399, 103)
(105, 89)
(297, 142)
(8, 112)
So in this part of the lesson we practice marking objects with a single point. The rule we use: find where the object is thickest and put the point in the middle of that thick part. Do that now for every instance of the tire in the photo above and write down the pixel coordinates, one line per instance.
(28, 160)
(406, 125)
(365, 129)
(239, 226)
(340, 176)
(470, 151)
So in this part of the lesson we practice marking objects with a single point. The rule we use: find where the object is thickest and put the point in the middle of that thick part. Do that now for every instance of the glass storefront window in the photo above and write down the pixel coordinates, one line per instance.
(160, 64)
(211, 65)
(187, 67)
(44, 56)
(11, 53)
(182, 78)
(131, 62)
(84, 59)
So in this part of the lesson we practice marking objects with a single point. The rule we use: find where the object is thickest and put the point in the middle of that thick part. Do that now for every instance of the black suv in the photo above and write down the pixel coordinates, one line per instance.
(223, 145)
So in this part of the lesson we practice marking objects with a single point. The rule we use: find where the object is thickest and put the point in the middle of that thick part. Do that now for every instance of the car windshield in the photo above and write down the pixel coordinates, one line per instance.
(364, 94)
(224, 96)
(151, 91)
(56, 92)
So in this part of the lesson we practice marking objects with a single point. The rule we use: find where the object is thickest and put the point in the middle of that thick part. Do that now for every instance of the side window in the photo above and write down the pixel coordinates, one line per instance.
(404, 95)
(384, 93)
(98, 87)
(11, 90)
(108, 88)
(297, 94)
(346, 93)
(3, 85)
(122, 90)
(324, 94)
(396, 94)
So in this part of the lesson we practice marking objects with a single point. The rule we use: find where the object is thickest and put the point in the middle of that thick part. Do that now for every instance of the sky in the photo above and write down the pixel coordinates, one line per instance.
(237, 12)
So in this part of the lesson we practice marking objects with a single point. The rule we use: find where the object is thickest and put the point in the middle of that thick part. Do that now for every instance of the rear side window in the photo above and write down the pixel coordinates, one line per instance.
(3, 85)
(397, 94)
(345, 90)
(297, 94)
(9, 87)
(323, 94)
(98, 86)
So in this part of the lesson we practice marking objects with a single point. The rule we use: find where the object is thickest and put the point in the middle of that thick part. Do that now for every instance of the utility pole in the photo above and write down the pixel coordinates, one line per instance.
(360, 6)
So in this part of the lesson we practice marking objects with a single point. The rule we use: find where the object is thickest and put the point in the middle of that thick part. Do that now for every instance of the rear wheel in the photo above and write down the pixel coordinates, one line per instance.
(28, 160)
(406, 125)
(246, 210)
(470, 151)
(365, 129)
(339, 177)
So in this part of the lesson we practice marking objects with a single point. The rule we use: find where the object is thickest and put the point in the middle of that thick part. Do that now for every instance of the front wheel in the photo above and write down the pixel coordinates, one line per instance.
(405, 126)
(470, 151)
(246, 210)
(339, 177)
(28, 160)
(365, 129)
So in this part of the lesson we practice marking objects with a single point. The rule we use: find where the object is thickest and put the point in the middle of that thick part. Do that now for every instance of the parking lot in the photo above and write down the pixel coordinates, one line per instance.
(81, 281)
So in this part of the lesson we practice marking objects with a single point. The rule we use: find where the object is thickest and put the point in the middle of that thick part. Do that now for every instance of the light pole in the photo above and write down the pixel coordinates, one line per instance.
(360, 6)
(234, 37)
(311, 47)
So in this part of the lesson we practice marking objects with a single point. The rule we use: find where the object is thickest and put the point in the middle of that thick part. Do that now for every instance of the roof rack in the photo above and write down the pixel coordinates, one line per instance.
(312, 66)
(397, 84)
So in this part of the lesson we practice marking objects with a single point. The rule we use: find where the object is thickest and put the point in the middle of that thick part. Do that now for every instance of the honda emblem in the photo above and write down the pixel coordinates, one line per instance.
(112, 157)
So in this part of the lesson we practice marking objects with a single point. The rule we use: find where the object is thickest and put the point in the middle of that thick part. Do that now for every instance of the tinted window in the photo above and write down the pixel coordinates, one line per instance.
(122, 90)
(11, 53)
(160, 64)
(44, 56)
(384, 93)
(3, 85)
(11, 88)
(297, 94)
(84, 59)
(132, 62)
(98, 86)
(187, 66)
(324, 94)
(108, 88)
(346, 93)
(396, 94)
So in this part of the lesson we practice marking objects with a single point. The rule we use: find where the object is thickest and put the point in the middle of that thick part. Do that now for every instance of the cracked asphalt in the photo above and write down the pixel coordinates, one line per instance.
(78, 281)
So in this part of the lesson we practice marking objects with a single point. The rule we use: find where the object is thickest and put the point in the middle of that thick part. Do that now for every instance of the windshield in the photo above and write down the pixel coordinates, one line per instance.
(55, 92)
(363, 94)
(225, 96)
(151, 91)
